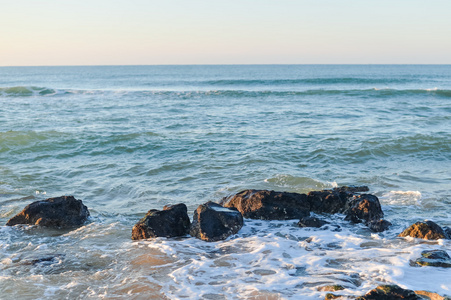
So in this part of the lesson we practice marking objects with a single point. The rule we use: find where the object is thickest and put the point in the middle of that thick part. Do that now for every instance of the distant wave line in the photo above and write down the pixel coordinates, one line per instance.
(24, 91)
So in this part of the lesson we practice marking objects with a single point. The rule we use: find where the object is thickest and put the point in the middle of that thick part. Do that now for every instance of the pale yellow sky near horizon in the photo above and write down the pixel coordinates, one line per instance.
(140, 32)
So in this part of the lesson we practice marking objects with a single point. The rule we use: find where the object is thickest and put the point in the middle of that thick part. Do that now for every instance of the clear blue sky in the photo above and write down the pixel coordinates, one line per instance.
(112, 32)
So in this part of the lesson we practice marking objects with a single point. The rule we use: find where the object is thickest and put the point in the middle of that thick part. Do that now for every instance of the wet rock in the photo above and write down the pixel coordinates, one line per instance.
(431, 296)
(213, 222)
(379, 225)
(331, 288)
(425, 230)
(328, 201)
(269, 205)
(364, 208)
(389, 292)
(311, 222)
(45, 260)
(172, 221)
(335, 200)
(330, 296)
(434, 258)
(352, 189)
(59, 212)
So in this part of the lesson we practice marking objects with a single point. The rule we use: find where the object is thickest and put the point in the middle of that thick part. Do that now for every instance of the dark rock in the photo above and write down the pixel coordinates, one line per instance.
(335, 200)
(379, 225)
(434, 258)
(328, 201)
(172, 221)
(59, 212)
(352, 189)
(364, 208)
(311, 222)
(424, 230)
(213, 222)
(389, 292)
(269, 205)
(45, 260)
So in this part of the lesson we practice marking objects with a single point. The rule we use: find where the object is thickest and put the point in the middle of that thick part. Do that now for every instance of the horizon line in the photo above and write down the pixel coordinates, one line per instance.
(263, 64)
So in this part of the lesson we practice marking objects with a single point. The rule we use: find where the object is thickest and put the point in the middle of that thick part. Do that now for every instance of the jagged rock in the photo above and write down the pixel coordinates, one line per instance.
(364, 208)
(172, 221)
(389, 292)
(213, 222)
(269, 205)
(59, 212)
(425, 230)
(379, 225)
(335, 200)
(434, 258)
(311, 222)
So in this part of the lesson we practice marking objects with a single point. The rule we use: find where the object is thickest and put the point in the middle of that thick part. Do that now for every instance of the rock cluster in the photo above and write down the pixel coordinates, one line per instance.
(211, 222)
(215, 222)
(271, 205)
(59, 212)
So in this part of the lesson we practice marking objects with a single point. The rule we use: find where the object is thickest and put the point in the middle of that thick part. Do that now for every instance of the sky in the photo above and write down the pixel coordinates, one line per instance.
(147, 32)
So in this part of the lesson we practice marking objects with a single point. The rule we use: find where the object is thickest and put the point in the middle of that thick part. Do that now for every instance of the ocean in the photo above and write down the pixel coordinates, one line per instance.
(127, 139)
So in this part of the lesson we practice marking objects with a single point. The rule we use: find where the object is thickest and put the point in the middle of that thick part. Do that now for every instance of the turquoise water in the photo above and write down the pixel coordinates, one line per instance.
(126, 139)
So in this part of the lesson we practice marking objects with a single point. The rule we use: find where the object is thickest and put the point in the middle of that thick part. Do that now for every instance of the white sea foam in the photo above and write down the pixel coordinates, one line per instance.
(277, 258)
(401, 198)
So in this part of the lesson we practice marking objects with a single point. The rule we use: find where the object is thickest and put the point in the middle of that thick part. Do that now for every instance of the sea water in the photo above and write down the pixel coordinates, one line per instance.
(126, 139)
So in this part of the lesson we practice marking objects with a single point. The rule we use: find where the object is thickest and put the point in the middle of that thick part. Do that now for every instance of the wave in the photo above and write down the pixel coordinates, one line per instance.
(309, 81)
(24, 91)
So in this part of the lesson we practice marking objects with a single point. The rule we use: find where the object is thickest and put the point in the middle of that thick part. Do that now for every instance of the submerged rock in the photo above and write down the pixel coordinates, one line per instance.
(213, 222)
(311, 222)
(425, 230)
(331, 288)
(389, 292)
(447, 231)
(172, 221)
(59, 212)
(434, 258)
(378, 225)
(330, 296)
(269, 205)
